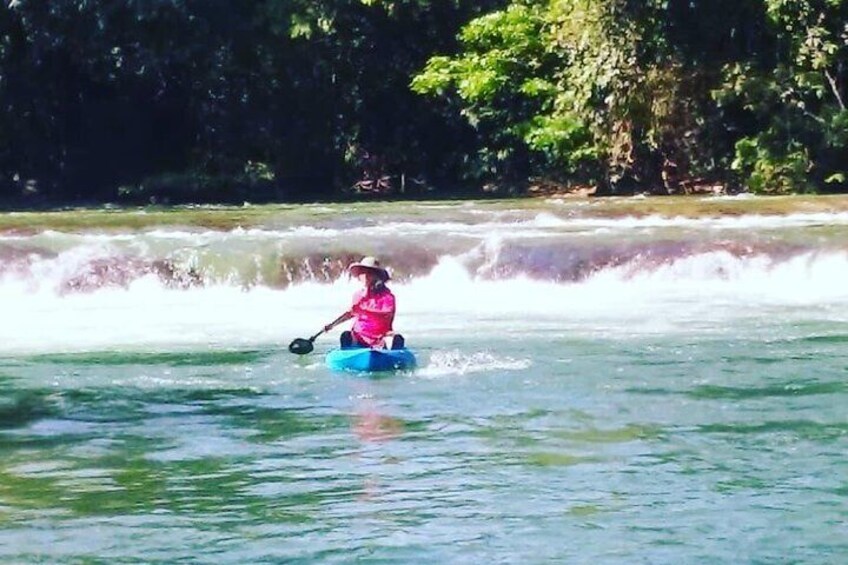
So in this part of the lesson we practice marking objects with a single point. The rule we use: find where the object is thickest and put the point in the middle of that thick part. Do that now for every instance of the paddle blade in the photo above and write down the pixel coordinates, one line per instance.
(300, 346)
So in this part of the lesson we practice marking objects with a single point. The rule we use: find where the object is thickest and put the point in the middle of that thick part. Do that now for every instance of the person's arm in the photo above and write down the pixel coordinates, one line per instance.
(343, 318)
(357, 298)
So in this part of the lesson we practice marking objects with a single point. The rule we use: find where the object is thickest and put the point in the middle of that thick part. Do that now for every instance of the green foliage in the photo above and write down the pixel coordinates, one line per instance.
(798, 102)
(500, 81)
(771, 172)
(836, 178)
(255, 184)
(505, 81)
(502, 51)
(563, 139)
(575, 82)
(656, 89)
(301, 99)
(835, 130)
(101, 94)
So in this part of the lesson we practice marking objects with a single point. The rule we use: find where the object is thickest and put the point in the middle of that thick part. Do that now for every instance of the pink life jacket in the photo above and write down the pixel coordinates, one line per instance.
(374, 312)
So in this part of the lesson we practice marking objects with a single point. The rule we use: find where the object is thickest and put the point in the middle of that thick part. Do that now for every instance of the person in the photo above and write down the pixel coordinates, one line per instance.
(373, 309)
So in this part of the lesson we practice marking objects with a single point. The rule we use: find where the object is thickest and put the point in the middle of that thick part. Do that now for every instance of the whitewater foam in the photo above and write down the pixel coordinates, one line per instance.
(456, 362)
(253, 287)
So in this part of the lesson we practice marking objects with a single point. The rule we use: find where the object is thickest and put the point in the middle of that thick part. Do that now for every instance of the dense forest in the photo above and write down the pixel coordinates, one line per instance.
(142, 101)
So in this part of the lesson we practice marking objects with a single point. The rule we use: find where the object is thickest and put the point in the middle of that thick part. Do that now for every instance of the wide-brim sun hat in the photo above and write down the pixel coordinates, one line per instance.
(368, 264)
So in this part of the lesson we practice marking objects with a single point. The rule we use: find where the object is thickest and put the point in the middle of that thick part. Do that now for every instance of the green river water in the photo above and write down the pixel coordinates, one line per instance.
(632, 389)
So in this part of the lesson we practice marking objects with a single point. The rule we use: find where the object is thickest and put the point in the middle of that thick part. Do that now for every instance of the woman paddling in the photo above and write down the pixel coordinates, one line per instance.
(373, 309)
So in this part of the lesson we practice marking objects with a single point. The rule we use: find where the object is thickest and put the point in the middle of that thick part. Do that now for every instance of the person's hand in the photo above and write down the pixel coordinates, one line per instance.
(328, 327)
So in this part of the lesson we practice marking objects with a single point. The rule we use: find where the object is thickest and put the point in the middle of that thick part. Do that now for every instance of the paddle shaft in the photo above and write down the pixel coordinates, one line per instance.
(331, 324)
(302, 346)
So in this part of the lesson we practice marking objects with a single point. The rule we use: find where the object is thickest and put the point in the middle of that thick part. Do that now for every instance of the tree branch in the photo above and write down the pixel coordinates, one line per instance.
(835, 88)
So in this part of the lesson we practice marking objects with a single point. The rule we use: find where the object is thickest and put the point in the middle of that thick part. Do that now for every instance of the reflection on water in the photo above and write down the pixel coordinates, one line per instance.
(370, 425)
(372, 428)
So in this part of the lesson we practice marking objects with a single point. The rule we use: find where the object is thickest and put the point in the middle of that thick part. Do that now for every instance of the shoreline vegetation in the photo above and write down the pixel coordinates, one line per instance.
(139, 103)
(247, 216)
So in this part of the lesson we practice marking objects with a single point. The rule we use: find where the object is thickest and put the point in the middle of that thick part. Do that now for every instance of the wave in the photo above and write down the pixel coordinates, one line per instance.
(715, 292)
(91, 265)
(532, 274)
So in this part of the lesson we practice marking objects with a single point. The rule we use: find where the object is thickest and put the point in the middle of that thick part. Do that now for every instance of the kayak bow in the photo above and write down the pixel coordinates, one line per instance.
(371, 360)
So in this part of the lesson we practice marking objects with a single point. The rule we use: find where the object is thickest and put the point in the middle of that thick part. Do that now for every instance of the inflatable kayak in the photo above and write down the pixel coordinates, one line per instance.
(367, 359)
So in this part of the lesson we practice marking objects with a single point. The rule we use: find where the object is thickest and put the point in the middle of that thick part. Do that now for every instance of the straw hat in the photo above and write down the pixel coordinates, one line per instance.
(370, 264)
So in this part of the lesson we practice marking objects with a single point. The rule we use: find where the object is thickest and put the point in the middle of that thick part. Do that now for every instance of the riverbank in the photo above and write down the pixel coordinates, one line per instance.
(276, 215)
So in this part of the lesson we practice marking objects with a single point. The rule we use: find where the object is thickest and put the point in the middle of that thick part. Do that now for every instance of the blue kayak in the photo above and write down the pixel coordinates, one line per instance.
(367, 359)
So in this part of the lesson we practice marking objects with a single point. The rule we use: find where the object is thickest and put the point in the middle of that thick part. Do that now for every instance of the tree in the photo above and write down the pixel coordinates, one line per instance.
(218, 99)
(800, 141)
(589, 87)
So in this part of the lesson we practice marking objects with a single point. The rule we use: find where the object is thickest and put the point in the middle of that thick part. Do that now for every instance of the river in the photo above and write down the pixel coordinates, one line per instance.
(624, 389)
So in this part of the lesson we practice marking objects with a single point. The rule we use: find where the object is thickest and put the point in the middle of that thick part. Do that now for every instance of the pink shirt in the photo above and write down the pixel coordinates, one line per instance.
(374, 313)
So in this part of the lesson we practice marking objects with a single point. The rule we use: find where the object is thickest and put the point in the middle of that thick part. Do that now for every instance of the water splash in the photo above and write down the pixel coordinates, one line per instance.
(506, 272)
(456, 362)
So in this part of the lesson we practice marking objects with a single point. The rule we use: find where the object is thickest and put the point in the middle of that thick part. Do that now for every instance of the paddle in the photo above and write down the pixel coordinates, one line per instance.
(302, 346)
